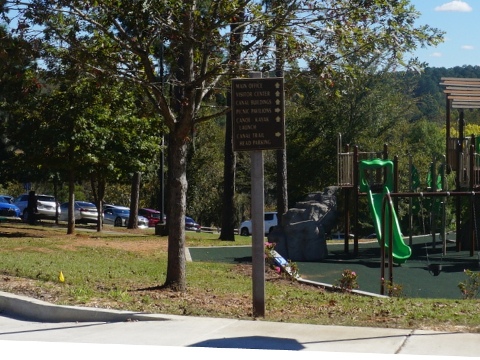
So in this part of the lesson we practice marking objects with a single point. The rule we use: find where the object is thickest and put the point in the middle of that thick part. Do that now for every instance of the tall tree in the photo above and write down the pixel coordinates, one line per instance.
(205, 165)
(116, 39)
(135, 193)
(235, 51)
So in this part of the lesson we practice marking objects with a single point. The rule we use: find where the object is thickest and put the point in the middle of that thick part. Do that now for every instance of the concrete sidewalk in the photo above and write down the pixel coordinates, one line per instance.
(48, 328)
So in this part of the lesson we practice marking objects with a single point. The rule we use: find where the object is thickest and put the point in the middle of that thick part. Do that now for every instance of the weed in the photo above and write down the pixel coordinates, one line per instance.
(81, 294)
(119, 295)
(471, 286)
(393, 289)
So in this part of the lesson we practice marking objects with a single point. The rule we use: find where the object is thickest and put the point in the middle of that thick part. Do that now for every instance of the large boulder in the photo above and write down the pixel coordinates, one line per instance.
(302, 234)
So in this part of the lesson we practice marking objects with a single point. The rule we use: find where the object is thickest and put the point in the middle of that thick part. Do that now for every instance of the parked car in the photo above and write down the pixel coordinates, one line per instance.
(8, 209)
(340, 236)
(270, 221)
(153, 216)
(119, 215)
(46, 206)
(9, 198)
(85, 212)
(190, 224)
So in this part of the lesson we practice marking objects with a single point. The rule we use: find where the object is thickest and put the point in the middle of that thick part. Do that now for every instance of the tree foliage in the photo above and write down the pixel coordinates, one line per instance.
(205, 170)
(19, 86)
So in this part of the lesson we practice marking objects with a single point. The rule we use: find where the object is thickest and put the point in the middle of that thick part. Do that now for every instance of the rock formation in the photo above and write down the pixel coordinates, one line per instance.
(302, 234)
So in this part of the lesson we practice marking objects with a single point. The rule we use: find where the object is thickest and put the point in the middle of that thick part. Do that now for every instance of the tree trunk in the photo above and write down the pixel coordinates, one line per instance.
(134, 196)
(71, 205)
(55, 195)
(228, 216)
(98, 190)
(177, 194)
(282, 191)
(161, 177)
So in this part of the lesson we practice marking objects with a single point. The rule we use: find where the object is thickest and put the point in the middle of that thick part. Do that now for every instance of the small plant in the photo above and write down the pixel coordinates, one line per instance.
(269, 247)
(348, 281)
(471, 286)
(292, 270)
(393, 289)
(270, 256)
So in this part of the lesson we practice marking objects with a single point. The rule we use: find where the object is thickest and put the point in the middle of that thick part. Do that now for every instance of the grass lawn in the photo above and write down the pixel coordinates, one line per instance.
(124, 269)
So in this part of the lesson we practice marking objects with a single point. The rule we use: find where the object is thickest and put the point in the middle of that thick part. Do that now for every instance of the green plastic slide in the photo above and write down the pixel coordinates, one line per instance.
(400, 251)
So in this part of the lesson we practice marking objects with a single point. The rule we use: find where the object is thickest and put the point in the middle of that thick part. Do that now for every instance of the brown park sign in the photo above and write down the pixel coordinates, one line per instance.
(258, 114)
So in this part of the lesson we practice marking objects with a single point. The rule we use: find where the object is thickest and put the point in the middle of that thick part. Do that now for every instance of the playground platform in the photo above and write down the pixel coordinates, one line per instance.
(415, 277)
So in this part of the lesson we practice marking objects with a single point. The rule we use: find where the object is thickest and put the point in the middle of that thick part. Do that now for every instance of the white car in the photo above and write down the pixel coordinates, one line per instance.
(119, 215)
(85, 212)
(46, 206)
(270, 221)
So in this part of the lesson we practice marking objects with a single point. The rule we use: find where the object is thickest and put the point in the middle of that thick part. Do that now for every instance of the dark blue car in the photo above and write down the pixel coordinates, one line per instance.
(7, 209)
(190, 224)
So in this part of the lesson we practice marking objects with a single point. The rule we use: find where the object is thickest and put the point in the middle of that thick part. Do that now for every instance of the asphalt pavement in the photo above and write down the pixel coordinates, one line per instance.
(31, 328)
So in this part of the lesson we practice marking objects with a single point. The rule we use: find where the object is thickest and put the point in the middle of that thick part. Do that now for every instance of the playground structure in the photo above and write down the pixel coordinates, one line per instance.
(381, 186)
(376, 195)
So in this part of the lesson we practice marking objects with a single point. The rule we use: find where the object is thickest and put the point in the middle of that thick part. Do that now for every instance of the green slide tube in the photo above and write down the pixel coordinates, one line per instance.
(400, 251)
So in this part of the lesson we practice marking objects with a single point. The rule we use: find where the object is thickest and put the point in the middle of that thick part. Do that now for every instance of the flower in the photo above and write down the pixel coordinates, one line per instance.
(270, 246)
(348, 281)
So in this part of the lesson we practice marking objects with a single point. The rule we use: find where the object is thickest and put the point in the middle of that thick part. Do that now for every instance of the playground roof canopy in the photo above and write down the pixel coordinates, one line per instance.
(462, 93)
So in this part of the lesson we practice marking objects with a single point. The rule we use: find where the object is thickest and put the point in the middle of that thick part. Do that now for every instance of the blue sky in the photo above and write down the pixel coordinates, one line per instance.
(460, 20)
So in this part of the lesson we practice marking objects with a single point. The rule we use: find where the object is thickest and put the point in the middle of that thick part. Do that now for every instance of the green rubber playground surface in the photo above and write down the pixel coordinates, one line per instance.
(413, 275)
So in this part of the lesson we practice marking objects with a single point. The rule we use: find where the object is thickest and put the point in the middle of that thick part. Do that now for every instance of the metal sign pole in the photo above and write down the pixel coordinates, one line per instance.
(258, 233)
(258, 123)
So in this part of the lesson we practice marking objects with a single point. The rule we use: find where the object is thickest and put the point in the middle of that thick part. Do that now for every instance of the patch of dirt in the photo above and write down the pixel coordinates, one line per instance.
(83, 236)
(138, 246)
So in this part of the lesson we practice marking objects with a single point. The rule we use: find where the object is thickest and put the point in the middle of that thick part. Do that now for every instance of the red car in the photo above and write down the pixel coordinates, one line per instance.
(153, 216)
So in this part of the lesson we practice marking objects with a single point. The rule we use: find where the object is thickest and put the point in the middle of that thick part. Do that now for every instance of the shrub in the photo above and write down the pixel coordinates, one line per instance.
(471, 286)
(348, 281)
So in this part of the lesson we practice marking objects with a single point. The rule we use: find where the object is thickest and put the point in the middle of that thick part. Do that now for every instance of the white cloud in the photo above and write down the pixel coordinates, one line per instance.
(455, 5)
(437, 54)
(467, 47)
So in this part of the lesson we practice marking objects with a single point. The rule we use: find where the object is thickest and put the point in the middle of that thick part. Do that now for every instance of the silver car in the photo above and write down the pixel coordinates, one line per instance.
(119, 215)
(85, 212)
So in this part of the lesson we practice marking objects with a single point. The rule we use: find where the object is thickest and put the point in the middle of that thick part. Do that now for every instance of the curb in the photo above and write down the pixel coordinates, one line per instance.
(25, 308)
(331, 287)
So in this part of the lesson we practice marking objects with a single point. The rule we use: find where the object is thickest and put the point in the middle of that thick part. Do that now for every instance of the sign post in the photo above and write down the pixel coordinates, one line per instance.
(258, 124)
(258, 114)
